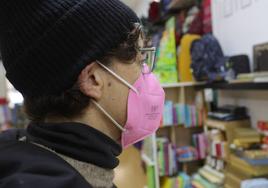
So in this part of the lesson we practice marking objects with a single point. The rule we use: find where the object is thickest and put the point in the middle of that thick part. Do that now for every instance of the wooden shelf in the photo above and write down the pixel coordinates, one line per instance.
(182, 84)
(237, 86)
(225, 125)
(222, 85)
(181, 126)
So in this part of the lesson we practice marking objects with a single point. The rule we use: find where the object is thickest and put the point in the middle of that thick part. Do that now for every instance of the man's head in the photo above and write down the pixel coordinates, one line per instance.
(95, 83)
(50, 51)
(82, 61)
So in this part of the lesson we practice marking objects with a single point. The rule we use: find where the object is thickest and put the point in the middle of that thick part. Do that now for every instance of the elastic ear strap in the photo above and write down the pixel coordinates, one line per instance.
(118, 77)
(109, 116)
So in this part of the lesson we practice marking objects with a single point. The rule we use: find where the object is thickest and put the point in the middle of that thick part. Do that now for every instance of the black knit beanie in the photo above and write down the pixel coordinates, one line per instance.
(45, 44)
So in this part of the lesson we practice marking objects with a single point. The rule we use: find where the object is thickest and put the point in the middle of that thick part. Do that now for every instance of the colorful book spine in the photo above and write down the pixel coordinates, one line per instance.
(187, 116)
(174, 114)
(200, 143)
(217, 149)
(5, 114)
(150, 176)
(182, 114)
(166, 157)
(202, 146)
(194, 122)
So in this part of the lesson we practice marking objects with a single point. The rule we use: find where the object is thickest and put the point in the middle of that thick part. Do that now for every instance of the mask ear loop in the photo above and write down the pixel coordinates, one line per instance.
(109, 116)
(118, 77)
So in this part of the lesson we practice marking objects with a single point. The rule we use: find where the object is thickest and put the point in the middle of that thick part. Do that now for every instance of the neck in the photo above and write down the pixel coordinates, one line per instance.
(94, 118)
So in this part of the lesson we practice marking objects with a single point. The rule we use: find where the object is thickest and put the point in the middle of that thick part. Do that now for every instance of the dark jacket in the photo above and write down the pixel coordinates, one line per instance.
(67, 155)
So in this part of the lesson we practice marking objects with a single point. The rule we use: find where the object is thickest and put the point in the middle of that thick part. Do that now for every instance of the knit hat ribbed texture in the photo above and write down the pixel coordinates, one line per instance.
(45, 44)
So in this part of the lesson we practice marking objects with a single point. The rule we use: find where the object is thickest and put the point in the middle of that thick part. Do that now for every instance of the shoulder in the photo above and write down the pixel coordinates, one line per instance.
(24, 165)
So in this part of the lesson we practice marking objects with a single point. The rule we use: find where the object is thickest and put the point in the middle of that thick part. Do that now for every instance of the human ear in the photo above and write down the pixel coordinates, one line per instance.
(91, 82)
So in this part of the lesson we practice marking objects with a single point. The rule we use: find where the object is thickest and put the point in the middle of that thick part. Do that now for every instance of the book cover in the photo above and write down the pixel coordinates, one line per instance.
(160, 156)
(177, 107)
(196, 143)
(201, 144)
(223, 154)
(166, 158)
(175, 166)
(187, 116)
(218, 149)
(174, 114)
(214, 149)
(166, 56)
(150, 177)
(171, 162)
(194, 119)
(200, 117)
(170, 113)
(182, 114)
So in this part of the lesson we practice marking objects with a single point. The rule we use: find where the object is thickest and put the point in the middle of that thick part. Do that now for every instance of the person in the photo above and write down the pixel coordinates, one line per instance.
(88, 88)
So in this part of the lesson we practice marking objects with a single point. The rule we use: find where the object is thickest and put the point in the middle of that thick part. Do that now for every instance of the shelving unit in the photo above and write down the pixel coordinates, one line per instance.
(149, 156)
(181, 136)
(221, 85)
(235, 169)
(236, 86)
(177, 134)
(228, 129)
(182, 84)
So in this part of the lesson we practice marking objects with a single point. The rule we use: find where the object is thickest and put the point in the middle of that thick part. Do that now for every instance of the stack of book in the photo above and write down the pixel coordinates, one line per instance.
(187, 154)
(218, 145)
(245, 137)
(199, 181)
(167, 159)
(254, 163)
(180, 181)
(182, 114)
(256, 77)
(213, 176)
(200, 142)
(263, 130)
(247, 160)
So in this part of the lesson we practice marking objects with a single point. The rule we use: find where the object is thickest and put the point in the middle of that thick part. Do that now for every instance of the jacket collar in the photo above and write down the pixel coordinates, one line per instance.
(78, 141)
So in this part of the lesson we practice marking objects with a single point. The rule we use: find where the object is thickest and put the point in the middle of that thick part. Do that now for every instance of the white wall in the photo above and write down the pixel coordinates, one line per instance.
(240, 24)
(255, 101)
(141, 7)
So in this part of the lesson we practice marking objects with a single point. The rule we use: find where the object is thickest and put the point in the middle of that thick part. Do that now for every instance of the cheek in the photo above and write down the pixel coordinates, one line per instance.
(135, 74)
(117, 99)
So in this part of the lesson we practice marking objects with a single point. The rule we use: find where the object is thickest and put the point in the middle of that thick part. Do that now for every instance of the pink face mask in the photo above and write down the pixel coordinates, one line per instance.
(145, 108)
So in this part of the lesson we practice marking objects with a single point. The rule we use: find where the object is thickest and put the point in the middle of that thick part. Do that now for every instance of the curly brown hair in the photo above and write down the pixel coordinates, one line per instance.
(73, 102)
